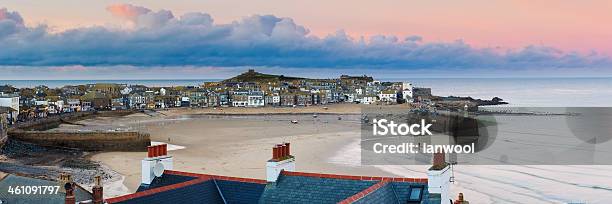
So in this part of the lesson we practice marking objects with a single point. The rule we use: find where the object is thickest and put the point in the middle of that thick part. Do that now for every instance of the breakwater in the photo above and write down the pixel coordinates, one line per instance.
(54, 121)
(88, 141)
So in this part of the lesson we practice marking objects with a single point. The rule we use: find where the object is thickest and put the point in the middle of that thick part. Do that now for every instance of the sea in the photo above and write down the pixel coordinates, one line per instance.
(519, 92)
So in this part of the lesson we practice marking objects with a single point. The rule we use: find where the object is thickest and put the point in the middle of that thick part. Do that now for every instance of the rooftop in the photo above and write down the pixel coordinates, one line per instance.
(291, 187)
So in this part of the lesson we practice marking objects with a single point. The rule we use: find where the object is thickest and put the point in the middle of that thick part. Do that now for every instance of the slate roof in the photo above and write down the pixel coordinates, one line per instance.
(13, 181)
(291, 187)
(167, 179)
(183, 187)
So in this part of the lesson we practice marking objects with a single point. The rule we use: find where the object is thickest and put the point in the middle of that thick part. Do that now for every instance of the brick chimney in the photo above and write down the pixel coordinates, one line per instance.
(69, 189)
(460, 200)
(155, 154)
(438, 177)
(281, 160)
(97, 190)
(439, 160)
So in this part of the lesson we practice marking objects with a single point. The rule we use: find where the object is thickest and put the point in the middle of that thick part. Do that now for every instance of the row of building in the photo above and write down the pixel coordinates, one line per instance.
(245, 90)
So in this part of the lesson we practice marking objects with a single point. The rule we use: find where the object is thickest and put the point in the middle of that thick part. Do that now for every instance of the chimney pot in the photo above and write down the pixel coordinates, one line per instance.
(98, 191)
(439, 159)
(70, 198)
(150, 151)
(288, 149)
(157, 152)
(284, 148)
(164, 149)
(275, 153)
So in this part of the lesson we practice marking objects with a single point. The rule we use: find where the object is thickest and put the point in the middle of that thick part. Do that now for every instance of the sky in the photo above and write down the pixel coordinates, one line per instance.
(217, 37)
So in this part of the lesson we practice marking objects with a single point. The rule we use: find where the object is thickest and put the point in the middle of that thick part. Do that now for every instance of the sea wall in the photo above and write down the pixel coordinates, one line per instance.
(54, 121)
(88, 141)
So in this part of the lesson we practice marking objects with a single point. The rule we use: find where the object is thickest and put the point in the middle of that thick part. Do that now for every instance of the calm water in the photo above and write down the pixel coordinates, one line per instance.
(535, 92)
(146, 82)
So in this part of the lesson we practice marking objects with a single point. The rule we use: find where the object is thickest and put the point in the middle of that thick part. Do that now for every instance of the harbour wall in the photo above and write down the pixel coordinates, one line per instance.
(87, 141)
(54, 121)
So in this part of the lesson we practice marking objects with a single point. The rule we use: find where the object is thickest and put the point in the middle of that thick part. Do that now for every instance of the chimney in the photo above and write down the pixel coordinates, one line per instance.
(439, 160)
(97, 190)
(460, 200)
(69, 189)
(275, 153)
(438, 177)
(281, 160)
(155, 154)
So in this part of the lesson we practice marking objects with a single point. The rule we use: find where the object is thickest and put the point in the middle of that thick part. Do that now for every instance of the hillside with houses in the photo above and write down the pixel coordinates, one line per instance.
(249, 89)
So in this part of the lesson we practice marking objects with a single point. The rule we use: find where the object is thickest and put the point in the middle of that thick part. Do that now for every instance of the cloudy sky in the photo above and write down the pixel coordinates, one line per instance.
(66, 39)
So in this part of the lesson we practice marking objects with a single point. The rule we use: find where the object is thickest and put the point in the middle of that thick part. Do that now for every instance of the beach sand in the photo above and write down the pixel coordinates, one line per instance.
(241, 145)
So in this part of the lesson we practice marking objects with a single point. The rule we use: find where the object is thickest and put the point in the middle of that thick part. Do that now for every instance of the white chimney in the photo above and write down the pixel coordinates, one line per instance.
(155, 154)
(281, 160)
(438, 177)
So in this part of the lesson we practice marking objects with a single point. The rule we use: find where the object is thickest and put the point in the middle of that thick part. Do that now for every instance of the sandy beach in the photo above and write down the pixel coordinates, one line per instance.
(239, 145)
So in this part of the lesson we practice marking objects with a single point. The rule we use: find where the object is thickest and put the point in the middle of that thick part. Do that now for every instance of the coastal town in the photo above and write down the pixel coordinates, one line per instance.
(250, 89)
(66, 133)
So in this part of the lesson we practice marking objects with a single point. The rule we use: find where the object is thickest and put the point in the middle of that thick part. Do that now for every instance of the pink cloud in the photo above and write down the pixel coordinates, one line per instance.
(127, 11)
(5, 14)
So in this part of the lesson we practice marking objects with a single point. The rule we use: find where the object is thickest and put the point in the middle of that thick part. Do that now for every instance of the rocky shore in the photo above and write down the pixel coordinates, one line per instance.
(35, 161)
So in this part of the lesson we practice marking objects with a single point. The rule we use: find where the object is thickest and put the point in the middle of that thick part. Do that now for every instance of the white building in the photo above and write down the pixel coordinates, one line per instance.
(12, 102)
(388, 96)
(407, 91)
(255, 101)
(58, 106)
(359, 91)
(74, 105)
(276, 99)
(369, 99)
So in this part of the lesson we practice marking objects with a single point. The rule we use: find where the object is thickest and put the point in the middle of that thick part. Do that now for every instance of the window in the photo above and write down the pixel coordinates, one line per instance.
(415, 193)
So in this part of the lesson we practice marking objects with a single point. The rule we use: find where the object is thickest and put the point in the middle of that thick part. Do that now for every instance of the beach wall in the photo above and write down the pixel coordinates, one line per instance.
(88, 141)
(54, 121)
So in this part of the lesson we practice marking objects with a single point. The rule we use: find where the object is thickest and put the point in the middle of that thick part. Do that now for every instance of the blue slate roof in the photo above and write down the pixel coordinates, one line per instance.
(181, 187)
(165, 180)
(291, 187)
(203, 192)
(13, 181)
(398, 192)
(305, 189)
(240, 192)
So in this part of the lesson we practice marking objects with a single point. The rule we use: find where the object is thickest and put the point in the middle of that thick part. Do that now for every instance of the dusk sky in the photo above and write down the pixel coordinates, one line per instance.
(205, 37)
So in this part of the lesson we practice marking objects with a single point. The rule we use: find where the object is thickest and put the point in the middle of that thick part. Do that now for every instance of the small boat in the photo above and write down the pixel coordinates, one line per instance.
(315, 115)
(294, 121)
(339, 118)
